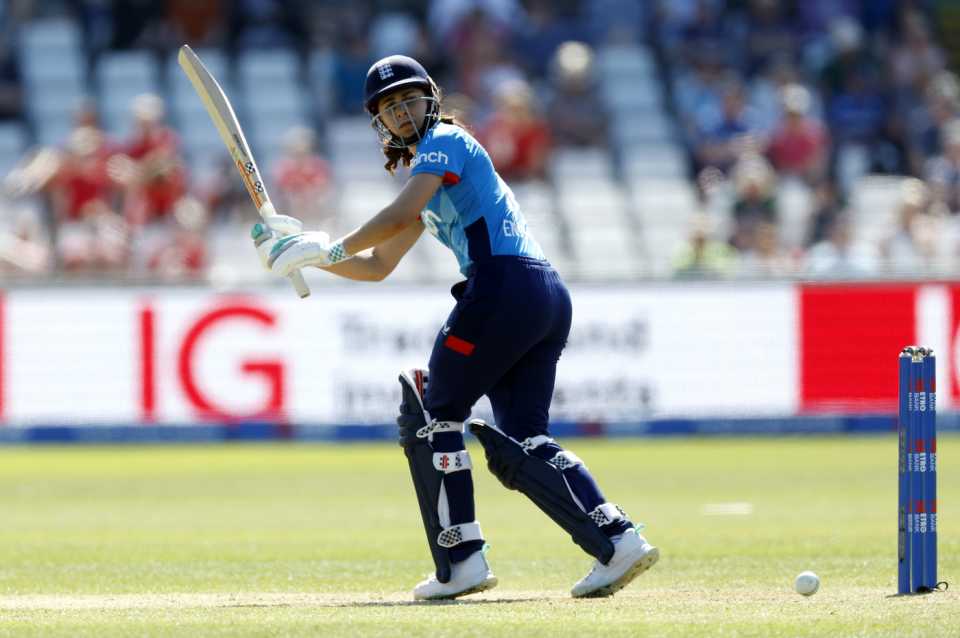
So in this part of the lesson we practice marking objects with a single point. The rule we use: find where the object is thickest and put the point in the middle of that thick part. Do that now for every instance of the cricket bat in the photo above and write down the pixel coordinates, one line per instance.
(221, 112)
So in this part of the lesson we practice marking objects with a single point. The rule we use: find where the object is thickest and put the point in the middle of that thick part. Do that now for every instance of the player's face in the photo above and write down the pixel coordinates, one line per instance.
(403, 112)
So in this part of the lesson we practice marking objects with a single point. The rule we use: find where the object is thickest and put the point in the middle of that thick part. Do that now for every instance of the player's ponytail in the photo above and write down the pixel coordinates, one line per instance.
(396, 155)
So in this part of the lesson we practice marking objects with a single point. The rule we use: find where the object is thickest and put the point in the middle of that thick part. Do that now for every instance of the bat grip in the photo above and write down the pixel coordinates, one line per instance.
(296, 277)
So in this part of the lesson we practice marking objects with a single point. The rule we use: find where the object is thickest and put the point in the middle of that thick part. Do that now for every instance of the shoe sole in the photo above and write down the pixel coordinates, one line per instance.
(644, 563)
(489, 583)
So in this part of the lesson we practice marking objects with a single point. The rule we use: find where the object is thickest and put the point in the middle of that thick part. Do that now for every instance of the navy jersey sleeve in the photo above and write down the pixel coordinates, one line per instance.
(442, 153)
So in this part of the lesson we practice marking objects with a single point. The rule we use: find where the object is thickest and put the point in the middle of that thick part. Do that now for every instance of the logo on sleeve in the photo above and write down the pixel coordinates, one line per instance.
(434, 157)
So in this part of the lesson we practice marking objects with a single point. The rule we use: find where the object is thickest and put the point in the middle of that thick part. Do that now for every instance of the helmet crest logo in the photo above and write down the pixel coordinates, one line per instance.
(385, 71)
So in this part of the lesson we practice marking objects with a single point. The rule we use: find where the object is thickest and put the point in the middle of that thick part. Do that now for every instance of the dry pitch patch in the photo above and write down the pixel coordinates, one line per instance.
(661, 612)
(699, 603)
(61, 602)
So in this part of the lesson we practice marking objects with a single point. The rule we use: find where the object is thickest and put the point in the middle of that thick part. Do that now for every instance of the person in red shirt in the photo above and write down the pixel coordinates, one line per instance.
(303, 177)
(155, 178)
(90, 234)
(799, 146)
(151, 166)
(516, 137)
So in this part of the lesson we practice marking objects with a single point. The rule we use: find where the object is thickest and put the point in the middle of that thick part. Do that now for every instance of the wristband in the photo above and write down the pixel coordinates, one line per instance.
(337, 253)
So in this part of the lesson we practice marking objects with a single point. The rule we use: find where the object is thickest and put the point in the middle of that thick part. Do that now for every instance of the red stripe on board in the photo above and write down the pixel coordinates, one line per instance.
(2, 357)
(459, 345)
(953, 371)
(148, 402)
(850, 337)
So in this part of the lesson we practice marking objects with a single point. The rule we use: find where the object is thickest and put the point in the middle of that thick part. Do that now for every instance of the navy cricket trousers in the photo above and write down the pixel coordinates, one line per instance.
(503, 340)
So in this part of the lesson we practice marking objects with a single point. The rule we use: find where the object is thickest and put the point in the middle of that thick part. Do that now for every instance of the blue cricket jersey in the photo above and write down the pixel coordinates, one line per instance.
(474, 212)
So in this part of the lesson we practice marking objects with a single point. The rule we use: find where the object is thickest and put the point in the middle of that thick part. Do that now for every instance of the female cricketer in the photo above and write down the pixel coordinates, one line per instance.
(503, 340)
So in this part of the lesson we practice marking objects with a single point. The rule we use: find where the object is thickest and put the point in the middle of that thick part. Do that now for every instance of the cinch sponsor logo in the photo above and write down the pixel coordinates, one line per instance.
(435, 157)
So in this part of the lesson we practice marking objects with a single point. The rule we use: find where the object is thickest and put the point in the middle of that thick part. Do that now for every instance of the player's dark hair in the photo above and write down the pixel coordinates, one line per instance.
(396, 155)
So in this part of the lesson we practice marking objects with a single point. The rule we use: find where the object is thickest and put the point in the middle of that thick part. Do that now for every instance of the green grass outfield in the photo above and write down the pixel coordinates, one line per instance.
(318, 540)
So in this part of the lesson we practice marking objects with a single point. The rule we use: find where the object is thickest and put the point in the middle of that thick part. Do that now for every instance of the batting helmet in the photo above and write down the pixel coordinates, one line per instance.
(394, 73)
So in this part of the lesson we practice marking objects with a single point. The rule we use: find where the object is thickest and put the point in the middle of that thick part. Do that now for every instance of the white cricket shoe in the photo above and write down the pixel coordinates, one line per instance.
(632, 555)
(466, 577)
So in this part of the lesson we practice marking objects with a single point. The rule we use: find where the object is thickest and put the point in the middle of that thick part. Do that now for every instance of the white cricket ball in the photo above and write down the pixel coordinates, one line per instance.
(807, 583)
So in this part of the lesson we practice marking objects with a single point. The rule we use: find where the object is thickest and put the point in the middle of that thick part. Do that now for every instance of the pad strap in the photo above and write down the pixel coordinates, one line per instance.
(565, 459)
(606, 513)
(448, 462)
(456, 534)
(427, 431)
(534, 442)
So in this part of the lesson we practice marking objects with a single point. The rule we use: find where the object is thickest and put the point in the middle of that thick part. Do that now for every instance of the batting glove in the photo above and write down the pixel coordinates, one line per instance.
(305, 249)
(265, 234)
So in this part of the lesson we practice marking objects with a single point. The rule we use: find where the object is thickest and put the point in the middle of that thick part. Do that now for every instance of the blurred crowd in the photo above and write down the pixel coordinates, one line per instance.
(765, 94)
(811, 96)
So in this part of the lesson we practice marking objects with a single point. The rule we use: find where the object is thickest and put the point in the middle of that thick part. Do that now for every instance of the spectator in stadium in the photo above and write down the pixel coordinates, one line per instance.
(516, 135)
(448, 20)
(943, 171)
(199, 23)
(705, 30)
(697, 90)
(266, 23)
(768, 32)
(840, 255)
(925, 123)
(729, 133)
(703, 256)
(480, 45)
(303, 178)
(352, 59)
(181, 254)
(755, 184)
(765, 92)
(154, 176)
(916, 56)
(912, 248)
(574, 111)
(503, 340)
(545, 29)
(11, 83)
(91, 235)
(766, 256)
(24, 242)
(855, 106)
(827, 206)
(150, 165)
(799, 147)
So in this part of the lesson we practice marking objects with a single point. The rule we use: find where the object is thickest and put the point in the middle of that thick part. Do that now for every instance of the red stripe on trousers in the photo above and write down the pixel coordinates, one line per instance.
(459, 345)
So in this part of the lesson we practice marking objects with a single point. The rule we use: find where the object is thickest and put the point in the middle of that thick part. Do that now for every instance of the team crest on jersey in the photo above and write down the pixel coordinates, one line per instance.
(385, 71)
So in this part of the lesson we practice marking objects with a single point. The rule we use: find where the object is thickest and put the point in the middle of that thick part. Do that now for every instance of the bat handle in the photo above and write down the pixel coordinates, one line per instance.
(267, 210)
(296, 277)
